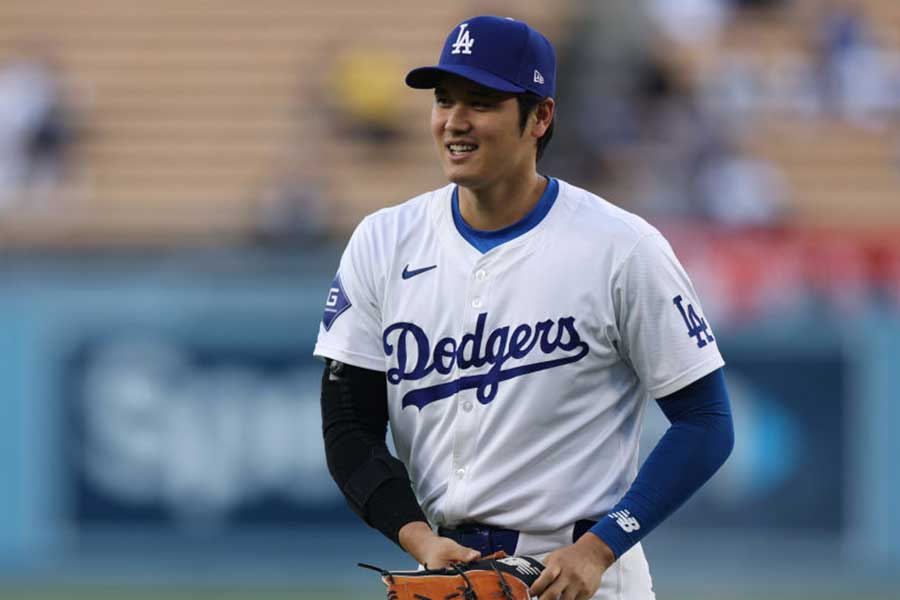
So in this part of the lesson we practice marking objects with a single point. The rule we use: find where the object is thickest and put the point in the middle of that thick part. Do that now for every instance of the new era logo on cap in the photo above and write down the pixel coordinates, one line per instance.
(497, 52)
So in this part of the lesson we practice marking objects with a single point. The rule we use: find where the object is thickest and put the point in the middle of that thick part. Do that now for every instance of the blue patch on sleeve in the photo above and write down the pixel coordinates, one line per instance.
(336, 303)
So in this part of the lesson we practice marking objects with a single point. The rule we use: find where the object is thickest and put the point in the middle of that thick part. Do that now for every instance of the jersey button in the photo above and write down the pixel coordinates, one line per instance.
(476, 303)
(460, 473)
(467, 406)
(480, 274)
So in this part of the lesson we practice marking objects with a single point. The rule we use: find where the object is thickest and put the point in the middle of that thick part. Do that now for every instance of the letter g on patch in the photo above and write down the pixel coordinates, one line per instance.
(336, 303)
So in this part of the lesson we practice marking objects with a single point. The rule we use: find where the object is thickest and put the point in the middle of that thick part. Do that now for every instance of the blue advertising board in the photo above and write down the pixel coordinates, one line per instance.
(181, 401)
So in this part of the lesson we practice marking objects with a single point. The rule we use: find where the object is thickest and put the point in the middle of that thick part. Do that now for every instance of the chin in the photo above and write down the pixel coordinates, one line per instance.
(463, 177)
(471, 183)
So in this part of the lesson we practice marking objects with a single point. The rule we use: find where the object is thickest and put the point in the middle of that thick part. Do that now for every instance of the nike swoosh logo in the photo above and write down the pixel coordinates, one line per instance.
(408, 274)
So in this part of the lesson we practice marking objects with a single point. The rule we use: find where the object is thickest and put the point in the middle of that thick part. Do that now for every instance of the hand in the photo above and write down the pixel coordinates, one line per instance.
(431, 550)
(574, 572)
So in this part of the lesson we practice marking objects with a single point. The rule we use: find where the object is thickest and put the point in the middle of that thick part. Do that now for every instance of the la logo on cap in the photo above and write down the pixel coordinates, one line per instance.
(464, 41)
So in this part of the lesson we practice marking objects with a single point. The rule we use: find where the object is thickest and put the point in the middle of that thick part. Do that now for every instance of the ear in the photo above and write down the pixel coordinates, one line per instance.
(542, 117)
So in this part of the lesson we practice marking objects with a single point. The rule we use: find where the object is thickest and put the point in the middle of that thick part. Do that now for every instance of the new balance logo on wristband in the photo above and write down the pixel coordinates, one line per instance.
(625, 521)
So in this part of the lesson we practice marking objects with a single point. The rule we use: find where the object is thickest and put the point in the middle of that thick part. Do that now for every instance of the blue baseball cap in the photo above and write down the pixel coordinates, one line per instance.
(497, 52)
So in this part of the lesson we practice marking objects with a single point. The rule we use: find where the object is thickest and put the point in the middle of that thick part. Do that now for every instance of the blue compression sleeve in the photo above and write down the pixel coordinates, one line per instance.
(700, 438)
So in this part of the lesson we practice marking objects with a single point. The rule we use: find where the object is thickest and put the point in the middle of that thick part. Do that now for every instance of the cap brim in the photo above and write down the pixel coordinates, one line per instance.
(425, 78)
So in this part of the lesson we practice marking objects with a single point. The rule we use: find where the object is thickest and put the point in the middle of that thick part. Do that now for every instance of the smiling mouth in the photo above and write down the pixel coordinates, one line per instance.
(460, 150)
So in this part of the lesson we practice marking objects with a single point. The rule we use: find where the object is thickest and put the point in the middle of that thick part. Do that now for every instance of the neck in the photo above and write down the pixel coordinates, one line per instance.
(502, 203)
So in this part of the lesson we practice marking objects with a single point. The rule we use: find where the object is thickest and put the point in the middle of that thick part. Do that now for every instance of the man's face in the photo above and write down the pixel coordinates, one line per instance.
(477, 133)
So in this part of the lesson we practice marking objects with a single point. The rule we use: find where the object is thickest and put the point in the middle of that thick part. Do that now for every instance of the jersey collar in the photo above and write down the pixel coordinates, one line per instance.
(483, 241)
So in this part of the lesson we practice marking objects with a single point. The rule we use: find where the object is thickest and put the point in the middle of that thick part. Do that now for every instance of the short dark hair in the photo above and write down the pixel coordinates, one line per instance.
(528, 102)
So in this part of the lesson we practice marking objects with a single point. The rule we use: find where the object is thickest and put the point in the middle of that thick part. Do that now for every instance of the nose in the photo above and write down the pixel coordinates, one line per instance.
(457, 119)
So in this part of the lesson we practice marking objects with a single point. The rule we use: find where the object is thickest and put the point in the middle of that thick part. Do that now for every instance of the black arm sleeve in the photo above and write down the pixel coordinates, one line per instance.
(354, 424)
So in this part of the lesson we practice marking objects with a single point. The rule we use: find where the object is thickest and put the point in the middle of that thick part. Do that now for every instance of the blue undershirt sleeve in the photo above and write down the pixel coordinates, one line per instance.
(698, 441)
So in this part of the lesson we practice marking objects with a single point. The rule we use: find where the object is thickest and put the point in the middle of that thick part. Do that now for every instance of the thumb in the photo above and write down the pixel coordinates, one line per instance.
(466, 554)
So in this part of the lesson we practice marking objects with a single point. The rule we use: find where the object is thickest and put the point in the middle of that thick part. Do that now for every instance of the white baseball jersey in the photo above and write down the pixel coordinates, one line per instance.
(517, 379)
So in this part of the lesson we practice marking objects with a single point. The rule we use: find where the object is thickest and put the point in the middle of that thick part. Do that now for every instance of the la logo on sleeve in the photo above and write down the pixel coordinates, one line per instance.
(696, 324)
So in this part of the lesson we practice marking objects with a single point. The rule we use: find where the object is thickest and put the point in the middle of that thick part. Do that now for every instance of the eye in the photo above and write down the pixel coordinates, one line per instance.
(442, 101)
(484, 104)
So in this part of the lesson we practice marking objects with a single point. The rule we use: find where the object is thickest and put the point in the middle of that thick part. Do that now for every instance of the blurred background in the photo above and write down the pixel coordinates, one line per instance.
(179, 177)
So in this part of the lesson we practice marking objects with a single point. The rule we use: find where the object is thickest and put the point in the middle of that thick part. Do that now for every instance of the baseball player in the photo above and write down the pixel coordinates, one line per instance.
(510, 327)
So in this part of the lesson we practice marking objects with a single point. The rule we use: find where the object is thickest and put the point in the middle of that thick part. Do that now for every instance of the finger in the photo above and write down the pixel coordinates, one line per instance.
(461, 553)
(547, 577)
(572, 593)
(555, 591)
(470, 555)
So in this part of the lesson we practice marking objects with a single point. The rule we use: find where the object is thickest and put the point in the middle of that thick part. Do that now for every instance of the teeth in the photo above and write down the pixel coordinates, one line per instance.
(461, 148)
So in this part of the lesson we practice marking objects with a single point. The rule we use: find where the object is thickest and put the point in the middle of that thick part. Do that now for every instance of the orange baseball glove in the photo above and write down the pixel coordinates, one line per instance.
(494, 577)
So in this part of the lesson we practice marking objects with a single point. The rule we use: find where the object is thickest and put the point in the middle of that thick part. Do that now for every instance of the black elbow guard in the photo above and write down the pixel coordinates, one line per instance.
(379, 492)
(354, 422)
(365, 481)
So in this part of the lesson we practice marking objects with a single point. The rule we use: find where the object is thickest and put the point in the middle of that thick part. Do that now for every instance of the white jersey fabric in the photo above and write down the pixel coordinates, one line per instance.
(518, 378)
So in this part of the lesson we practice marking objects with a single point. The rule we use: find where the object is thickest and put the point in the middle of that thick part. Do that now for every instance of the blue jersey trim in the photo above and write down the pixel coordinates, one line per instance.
(487, 240)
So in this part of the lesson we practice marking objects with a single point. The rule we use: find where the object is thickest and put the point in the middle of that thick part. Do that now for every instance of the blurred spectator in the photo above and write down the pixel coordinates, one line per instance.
(737, 189)
(647, 134)
(678, 136)
(366, 84)
(857, 76)
(292, 210)
(843, 28)
(690, 22)
(37, 130)
(758, 4)
(791, 87)
(293, 204)
(742, 86)
(596, 124)
(734, 88)
(663, 101)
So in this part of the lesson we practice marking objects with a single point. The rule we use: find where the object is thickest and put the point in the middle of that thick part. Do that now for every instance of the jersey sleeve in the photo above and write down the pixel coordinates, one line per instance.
(350, 330)
(663, 332)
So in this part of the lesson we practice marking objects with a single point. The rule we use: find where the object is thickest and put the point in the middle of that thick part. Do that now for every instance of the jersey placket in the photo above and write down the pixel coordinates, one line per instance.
(468, 417)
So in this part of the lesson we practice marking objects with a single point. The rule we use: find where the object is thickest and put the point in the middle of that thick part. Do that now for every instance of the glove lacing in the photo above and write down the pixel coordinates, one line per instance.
(468, 591)
(391, 593)
(504, 587)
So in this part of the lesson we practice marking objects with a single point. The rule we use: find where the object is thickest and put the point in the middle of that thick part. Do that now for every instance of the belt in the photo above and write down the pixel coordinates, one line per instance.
(487, 539)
